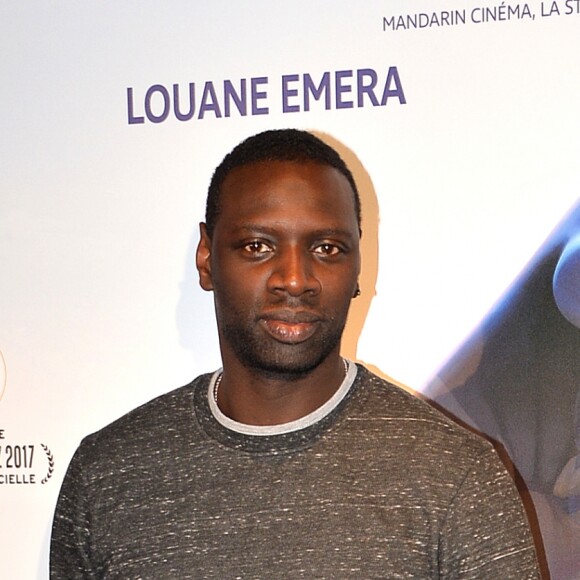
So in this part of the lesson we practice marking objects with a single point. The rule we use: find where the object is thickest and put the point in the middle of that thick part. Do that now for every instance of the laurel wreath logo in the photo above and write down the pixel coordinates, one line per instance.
(50, 457)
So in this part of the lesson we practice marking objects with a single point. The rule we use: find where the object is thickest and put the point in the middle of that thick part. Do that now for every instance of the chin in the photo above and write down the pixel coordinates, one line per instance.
(290, 362)
(270, 357)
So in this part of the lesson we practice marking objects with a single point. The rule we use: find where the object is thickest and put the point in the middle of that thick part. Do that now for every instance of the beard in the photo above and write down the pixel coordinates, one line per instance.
(257, 350)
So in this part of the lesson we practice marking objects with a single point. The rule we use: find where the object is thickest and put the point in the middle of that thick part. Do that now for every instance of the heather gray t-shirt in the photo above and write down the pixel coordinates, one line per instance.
(376, 485)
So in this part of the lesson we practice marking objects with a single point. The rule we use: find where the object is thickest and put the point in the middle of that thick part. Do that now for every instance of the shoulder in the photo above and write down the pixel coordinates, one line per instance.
(428, 457)
(162, 419)
(412, 421)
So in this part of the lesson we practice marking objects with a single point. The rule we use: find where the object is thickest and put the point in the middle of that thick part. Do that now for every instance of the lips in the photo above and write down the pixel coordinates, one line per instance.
(290, 327)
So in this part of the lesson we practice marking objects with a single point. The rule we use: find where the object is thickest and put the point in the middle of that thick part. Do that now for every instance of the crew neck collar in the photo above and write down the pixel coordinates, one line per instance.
(271, 438)
(291, 426)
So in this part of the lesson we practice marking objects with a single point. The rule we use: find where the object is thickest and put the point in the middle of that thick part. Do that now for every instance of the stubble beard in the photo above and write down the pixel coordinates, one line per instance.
(270, 358)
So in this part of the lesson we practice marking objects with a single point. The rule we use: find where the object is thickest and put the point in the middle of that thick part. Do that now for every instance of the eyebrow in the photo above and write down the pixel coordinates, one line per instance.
(319, 233)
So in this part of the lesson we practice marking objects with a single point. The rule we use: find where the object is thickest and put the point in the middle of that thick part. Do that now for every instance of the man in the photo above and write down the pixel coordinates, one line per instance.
(291, 462)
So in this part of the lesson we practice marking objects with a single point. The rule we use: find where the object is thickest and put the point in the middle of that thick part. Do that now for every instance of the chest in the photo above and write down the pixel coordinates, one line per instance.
(303, 515)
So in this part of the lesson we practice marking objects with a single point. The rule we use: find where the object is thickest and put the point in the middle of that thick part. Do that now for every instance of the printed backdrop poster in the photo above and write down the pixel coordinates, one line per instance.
(461, 122)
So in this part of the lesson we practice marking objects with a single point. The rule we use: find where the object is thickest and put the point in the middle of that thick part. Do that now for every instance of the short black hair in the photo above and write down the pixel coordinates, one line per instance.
(276, 145)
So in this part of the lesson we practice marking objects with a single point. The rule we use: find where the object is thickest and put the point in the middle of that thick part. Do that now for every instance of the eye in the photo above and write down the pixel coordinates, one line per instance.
(328, 249)
(256, 247)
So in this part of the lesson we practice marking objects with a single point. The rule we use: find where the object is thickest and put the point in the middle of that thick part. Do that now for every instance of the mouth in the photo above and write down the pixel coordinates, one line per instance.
(290, 327)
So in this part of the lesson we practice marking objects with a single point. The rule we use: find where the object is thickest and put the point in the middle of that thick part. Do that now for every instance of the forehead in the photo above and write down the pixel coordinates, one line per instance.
(311, 190)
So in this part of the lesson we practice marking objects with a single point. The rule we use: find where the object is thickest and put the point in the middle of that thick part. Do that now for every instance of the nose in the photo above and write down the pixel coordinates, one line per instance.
(294, 272)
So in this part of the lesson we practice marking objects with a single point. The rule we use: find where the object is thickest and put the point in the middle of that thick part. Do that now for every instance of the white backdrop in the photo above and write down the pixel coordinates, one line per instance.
(99, 305)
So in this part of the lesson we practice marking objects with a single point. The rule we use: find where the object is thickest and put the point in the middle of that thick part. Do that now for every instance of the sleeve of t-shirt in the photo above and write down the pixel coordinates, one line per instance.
(70, 546)
(486, 533)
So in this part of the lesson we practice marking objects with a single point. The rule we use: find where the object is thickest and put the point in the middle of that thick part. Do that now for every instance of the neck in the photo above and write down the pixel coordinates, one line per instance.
(255, 398)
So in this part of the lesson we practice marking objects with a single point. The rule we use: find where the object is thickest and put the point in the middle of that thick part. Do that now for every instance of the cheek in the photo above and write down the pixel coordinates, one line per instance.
(234, 294)
(340, 286)
(241, 280)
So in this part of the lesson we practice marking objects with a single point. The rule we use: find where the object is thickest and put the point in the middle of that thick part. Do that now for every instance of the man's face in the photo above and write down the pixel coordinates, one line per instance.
(283, 263)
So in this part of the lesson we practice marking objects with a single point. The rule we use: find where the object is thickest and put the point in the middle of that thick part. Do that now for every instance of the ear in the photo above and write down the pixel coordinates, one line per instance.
(203, 259)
